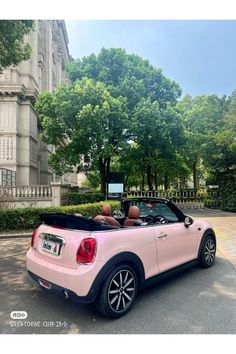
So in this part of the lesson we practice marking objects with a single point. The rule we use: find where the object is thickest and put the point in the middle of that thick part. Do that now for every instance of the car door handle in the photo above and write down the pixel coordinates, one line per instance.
(162, 235)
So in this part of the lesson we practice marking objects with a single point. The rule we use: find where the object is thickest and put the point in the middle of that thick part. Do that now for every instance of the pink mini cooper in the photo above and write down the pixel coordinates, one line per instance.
(107, 259)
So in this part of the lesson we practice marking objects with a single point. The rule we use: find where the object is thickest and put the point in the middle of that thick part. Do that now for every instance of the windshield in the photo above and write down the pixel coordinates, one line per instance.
(154, 209)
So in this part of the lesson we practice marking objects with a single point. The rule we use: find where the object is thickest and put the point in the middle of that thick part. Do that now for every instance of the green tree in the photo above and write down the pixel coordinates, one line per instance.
(13, 48)
(134, 169)
(220, 150)
(126, 75)
(220, 156)
(158, 132)
(173, 170)
(83, 119)
(134, 78)
(202, 118)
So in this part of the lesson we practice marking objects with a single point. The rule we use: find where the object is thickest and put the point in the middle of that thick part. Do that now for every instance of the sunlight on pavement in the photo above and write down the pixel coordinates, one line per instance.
(220, 233)
(224, 290)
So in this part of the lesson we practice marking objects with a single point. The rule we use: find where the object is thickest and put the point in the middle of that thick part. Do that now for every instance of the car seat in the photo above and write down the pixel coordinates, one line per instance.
(133, 217)
(106, 216)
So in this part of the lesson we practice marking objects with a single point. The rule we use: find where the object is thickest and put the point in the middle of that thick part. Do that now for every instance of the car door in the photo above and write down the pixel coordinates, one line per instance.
(175, 243)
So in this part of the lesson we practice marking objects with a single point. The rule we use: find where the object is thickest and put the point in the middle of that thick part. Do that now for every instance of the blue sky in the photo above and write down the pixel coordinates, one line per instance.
(199, 55)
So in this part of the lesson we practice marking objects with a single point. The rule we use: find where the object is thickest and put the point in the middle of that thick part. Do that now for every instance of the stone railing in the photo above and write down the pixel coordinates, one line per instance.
(185, 199)
(33, 196)
(26, 191)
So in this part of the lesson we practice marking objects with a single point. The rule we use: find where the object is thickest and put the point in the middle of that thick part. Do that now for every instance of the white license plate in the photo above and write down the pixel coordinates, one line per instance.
(51, 247)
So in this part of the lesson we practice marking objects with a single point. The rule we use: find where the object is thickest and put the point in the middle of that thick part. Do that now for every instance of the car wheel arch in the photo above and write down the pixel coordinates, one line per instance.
(128, 258)
(207, 232)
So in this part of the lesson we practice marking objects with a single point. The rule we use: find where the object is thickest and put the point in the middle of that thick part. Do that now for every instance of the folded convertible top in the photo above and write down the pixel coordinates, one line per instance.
(67, 221)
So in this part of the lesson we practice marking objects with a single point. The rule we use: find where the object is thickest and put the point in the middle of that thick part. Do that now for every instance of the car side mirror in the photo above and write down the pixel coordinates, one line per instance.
(188, 221)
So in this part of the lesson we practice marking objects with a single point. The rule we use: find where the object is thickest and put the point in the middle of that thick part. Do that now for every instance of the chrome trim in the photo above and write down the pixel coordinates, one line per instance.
(42, 283)
(50, 237)
(65, 294)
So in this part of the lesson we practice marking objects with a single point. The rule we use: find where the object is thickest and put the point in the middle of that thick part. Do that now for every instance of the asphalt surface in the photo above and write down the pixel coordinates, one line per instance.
(196, 301)
(224, 224)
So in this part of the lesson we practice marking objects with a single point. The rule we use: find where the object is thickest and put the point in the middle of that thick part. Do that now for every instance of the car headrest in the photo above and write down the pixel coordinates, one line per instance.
(133, 212)
(106, 210)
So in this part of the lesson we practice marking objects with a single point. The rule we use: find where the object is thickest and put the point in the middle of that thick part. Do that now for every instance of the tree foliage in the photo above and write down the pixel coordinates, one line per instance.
(123, 113)
(220, 150)
(13, 48)
(83, 119)
(157, 133)
(202, 119)
(126, 75)
(155, 126)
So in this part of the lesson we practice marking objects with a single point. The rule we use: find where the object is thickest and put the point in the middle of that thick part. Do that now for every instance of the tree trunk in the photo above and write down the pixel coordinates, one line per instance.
(195, 177)
(182, 183)
(102, 175)
(166, 182)
(149, 178)
(143, 181)
(126, 184)
(156, 184)
(104, 168)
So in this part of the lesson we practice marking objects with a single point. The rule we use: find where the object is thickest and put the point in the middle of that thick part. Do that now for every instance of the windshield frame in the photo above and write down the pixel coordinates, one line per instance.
(125, 204)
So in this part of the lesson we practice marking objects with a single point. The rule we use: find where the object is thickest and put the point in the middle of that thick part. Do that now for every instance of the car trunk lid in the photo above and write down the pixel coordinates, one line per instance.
(58, 245)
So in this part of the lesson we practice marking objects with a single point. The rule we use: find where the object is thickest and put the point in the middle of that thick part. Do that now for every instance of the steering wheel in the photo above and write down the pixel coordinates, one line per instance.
(117, 213)
(149, 219)
(160, 218)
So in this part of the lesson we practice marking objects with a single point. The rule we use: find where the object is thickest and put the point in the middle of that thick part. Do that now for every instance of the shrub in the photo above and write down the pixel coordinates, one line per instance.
(227, 192)
(224, 196)
(84, 198)
(28, 218)
(211, 203)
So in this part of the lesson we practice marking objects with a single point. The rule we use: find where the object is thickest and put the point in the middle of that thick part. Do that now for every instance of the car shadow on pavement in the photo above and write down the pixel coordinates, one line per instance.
(195, 301)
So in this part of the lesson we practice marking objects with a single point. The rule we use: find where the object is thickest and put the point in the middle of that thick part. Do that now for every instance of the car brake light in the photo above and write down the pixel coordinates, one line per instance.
(87, 250)
(33, 236)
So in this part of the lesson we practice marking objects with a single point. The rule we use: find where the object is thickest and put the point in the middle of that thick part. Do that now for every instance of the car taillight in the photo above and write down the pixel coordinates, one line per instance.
(87, 250)
(33, 236)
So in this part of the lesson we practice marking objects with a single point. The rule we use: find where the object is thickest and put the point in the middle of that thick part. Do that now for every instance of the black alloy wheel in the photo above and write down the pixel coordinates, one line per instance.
(207, 252)
(118, 292)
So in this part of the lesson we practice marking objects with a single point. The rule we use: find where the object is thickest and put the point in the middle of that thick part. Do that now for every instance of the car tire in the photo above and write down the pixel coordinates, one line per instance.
(118, 292)
(207, 252)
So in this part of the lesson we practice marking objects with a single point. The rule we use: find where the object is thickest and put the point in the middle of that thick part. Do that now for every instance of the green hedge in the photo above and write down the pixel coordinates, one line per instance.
(28, 218)
(211, 203)
(84, 198)
(227, 192)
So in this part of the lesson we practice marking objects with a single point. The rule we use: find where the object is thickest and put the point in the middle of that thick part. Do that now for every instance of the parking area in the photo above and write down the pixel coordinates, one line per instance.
(195, 301)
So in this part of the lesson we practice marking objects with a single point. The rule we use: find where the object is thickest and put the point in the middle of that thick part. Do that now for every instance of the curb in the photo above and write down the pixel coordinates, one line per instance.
(19, 235)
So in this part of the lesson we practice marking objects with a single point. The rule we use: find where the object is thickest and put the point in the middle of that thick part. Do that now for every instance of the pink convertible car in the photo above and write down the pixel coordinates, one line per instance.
(108, 259)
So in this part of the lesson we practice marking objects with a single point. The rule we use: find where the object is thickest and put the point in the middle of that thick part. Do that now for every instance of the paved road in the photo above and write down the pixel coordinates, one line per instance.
(224, 224)
(196, 301)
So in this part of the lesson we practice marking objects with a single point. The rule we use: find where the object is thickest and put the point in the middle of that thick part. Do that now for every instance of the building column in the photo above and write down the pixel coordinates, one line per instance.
(56, 193)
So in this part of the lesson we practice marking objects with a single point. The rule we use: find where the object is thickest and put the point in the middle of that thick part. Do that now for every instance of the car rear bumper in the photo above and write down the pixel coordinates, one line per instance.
(61, 291)
(77, 282)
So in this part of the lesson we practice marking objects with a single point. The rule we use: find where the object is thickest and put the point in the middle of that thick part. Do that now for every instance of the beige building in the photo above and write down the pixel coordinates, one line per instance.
(20, 147)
